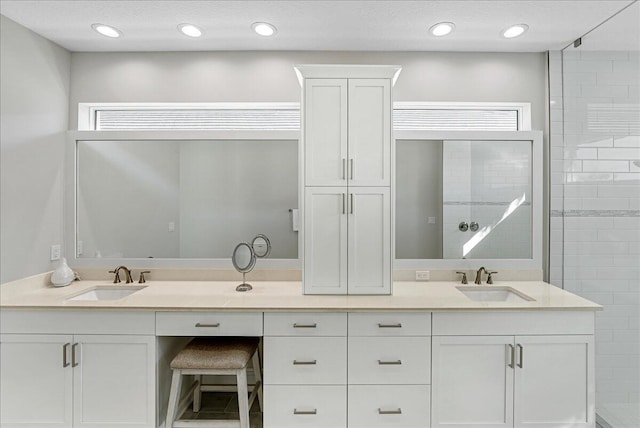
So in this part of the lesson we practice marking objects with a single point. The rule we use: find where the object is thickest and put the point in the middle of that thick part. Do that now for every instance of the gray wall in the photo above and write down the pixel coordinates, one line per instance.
(269, 76)
(34, 83)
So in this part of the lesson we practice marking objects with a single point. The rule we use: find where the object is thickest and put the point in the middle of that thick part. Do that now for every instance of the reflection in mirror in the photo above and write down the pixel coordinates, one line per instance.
(243, 259)
(483, 185)
(261, 245)
(184, 199)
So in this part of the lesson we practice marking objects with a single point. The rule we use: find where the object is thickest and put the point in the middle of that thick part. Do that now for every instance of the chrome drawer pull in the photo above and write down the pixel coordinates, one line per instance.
(74, 361)
(521, 355)
(390, 363)
(511, 352)
(305, 412)
(398, 411)
(398, 325)
(296, 325)
(304, 363)
(208, 325)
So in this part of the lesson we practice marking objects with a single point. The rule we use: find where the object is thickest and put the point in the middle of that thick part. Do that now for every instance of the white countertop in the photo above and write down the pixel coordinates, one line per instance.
(283, 296)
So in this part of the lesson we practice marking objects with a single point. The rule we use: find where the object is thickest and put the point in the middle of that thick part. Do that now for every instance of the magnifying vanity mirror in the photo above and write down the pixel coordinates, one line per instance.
(261, 245)
(243, 259)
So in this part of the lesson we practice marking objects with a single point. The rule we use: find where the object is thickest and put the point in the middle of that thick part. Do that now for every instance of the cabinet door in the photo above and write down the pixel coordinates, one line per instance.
(472, 381)
(554, 382)
(369, 132)
(36, 388)
(114, 381)
(325, 132)
(325, 240)
(369, 240)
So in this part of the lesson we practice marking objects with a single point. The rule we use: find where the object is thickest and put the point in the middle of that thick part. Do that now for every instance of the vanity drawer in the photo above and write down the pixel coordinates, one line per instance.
(305, 360)
(390, 324)
(317, 406)
(399, 406)
(389, 360)
(305, 324)
(208, 324)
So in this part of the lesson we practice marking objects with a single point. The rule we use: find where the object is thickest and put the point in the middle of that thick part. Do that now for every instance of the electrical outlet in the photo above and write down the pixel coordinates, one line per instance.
(80, 247)
(55, 252)
(423, 275)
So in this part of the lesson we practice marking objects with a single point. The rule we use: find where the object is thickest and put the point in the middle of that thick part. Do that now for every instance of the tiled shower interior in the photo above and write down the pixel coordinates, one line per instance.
(595, 206)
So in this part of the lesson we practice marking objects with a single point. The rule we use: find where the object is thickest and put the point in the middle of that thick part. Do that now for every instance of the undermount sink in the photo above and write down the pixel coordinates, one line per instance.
(493, 294)
(108, 292)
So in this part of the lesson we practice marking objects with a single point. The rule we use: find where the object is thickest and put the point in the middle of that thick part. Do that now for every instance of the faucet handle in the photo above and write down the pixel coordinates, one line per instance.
(116, 280)
(464, 277)
(490, 278)
(142, 280)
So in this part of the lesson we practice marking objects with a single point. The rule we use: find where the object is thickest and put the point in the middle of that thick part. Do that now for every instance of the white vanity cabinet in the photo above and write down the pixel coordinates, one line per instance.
(97, 380)
(347, 132)
(484, 373)
(389, 372)
(347, 157)
(305, 370)
(347, 240)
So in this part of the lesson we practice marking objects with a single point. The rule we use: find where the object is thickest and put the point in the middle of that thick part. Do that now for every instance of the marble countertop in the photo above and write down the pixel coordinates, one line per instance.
(32, 293)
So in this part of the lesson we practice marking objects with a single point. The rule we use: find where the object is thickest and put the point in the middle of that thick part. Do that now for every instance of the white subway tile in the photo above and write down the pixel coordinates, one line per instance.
(581, 153)
(625, 153)
(617, 191)
(608, 323)
(627, 223)
(580, 235)
(603, 91)
(631, 298)
(606, 273)
(604, 336)
(580, 191)
(627, 141)
(628, 178)
(617, 78)
(618, 235)
(615, 311)
(580, 66)
(588, 141)
(604, 55)
(605, 204)
(589, 177)
(605, 166)
(588, 223)
(629, 66)
(587, 260)
(634, 166)
(599, 298)
(614, 285)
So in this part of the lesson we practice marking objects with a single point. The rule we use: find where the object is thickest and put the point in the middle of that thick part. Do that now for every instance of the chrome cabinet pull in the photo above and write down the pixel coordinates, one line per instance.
(74, 361)
(304, 363)
(390, 363)
(351, 195)
(305, 412)
(65, 349)
(512, 357)
(296, 325)
(521, 349)
(344, 203)
(344, 165)
(397, 411)
(397, 325)
(208, 325)
(351, 161)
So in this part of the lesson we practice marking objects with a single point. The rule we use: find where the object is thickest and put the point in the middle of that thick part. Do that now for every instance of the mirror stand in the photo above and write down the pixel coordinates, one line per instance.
(244, 286)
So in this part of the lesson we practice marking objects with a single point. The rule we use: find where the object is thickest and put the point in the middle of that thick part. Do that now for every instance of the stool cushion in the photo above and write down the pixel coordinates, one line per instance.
(216, 353)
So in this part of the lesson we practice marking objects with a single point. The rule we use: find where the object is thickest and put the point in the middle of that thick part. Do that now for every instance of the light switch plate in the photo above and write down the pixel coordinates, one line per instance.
(423, 275)
(55, 252)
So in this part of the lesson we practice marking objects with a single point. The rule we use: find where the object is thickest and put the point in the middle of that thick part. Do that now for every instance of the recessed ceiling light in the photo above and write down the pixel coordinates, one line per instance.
(515, 31)
(442, 29)
(107, 30)
(264, 29)
(190, 30)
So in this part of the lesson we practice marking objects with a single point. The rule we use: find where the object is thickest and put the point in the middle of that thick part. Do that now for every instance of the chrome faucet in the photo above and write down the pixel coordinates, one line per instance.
(127, 274)
(479, 275)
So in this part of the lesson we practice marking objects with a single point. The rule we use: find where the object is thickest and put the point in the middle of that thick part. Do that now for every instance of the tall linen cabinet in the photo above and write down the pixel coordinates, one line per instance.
(346, 160)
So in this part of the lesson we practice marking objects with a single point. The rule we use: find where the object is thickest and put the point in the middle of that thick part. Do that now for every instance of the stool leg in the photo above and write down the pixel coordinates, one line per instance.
(197, 393)
(243, 397)
(174, 398)
(258, 373)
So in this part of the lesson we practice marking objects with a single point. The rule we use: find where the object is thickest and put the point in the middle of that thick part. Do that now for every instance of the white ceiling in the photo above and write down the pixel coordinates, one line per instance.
(314, 25)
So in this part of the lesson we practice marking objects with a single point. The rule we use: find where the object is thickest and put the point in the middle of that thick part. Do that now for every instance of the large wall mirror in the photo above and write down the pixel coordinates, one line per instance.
(468, 198)
(184, 198)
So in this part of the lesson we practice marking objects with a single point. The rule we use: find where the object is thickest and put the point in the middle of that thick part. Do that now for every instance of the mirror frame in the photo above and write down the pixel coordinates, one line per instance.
(252, 258)
(537, 207)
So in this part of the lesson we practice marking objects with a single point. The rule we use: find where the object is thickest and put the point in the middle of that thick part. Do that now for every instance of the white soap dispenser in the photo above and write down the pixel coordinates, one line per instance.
(63, 275)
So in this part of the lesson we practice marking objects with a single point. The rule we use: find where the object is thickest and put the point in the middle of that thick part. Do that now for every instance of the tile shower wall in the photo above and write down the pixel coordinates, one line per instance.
(595, 203)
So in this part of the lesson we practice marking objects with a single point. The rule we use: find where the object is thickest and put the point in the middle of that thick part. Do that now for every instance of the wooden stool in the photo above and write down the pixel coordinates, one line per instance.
(215, 356)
